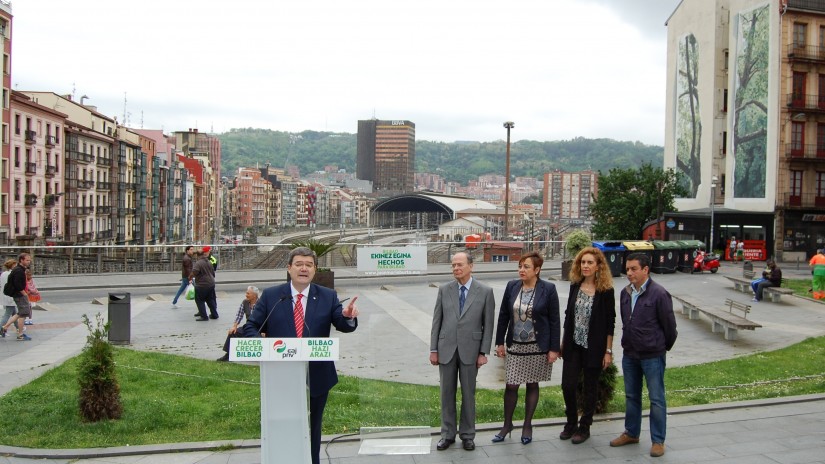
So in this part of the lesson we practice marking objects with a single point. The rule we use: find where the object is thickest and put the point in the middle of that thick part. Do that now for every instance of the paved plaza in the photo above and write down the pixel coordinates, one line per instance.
(396, 315)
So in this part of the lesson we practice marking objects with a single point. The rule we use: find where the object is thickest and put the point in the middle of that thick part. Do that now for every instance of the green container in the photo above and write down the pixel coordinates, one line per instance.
(666, 256)
(688, 254)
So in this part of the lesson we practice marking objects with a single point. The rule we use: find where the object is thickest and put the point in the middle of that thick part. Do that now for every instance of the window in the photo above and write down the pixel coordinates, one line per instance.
(16, 124)
(796, 189)
(797, 139)
(800, 32)
(820, 184)
(725, 101)
(17, 157)
(798, 90)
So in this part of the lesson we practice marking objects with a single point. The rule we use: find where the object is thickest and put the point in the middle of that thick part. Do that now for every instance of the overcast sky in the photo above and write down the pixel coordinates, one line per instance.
(457, 68)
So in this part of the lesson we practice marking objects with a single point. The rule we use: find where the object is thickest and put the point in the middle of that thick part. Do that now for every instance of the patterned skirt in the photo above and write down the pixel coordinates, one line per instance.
(524, 363)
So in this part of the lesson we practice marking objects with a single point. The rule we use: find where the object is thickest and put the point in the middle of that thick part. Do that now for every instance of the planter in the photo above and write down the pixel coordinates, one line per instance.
(566, 266)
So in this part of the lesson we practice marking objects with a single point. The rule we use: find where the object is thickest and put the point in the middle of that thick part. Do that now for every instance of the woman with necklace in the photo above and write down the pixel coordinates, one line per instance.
(528, 323)
(587, 344)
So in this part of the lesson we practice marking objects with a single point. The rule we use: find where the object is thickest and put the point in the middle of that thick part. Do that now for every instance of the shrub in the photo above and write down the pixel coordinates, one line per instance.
(604, 392)
(99, 390)
(576, 241)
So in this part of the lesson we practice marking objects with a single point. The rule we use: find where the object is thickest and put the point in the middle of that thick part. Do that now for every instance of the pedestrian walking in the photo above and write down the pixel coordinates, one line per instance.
(16, 288)
(9, 308)
(186, 272)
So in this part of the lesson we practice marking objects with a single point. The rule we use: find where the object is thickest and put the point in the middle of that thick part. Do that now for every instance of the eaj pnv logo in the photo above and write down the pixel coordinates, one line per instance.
(279, 346)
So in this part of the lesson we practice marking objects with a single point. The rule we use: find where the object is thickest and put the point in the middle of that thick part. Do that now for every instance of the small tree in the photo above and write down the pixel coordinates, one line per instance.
(576, 242)
(99, 390)
(320, 248)
(604, 391)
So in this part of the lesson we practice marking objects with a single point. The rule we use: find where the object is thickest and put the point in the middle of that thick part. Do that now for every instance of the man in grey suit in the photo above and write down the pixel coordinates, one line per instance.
(461, 337)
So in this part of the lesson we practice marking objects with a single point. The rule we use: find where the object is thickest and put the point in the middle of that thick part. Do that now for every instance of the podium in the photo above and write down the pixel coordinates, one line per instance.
(284, 410)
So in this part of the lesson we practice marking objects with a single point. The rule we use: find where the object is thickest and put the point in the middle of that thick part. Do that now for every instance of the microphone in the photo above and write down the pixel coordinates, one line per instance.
(269, 313)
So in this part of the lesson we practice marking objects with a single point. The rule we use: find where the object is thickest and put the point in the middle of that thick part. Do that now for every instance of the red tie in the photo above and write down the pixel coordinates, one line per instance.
(299, 316)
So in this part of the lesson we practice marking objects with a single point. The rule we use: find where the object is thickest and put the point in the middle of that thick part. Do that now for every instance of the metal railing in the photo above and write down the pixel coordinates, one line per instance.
(90, 258)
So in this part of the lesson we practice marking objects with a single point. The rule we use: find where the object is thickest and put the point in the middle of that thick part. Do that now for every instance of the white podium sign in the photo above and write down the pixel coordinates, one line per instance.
(284, 409)
(283, 349)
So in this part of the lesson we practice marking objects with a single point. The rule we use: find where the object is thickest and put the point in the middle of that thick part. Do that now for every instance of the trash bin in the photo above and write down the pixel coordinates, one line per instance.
(638, 246)
(688, 254)
(747, 269)
(614, 253)
(120, 318)
(666, 256)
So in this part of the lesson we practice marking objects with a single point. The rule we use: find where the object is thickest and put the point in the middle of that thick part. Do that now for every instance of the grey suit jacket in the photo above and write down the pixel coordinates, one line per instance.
(470, 332)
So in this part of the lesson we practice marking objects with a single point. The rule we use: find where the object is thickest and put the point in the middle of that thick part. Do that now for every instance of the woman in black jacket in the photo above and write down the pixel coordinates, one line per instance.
(529, 317)
(587, 343)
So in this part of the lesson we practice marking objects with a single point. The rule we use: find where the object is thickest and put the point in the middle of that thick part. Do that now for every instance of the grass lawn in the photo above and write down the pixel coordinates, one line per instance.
(169, 398)
(799, 286)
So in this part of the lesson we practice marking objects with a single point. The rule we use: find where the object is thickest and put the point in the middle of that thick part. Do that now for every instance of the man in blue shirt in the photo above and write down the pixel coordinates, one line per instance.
(648, 332)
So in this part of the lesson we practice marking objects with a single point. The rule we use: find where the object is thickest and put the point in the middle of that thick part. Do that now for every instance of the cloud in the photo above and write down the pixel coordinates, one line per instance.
(458, 69)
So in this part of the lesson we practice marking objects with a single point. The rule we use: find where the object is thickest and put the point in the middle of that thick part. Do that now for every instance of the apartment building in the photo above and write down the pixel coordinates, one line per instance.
(567, 195)
(745, 124)
(5, 147)
(35, 171)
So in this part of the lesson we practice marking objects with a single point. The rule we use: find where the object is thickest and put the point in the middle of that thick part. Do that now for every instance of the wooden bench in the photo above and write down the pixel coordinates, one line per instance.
(721, 319)
(741, 285)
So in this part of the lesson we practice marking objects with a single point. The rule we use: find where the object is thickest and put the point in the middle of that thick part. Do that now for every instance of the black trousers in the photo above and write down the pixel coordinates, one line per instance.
(574, 363)
(316, 416)
(205, 296)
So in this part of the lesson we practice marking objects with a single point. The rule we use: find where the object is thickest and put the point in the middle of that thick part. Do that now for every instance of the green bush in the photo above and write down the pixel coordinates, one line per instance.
(576, 241)
(604, 392)
(99, 390)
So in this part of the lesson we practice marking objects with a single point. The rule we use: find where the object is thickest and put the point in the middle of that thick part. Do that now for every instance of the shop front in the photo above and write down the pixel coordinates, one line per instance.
(756, 229)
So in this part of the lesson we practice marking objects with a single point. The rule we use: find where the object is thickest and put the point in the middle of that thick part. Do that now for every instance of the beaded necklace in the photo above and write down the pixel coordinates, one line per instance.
(521, 294)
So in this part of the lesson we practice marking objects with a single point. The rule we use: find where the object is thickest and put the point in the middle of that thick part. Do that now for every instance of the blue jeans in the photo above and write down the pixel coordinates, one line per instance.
(653, 371)
(183, 284)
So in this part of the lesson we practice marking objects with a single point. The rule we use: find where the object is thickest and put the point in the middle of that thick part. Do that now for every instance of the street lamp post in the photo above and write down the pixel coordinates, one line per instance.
(712, 206)
(508, 125)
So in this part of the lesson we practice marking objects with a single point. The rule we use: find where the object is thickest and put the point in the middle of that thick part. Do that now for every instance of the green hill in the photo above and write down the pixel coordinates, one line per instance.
(457, 161)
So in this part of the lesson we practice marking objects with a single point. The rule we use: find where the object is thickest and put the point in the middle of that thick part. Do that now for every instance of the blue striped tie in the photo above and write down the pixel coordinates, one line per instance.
(461, 298)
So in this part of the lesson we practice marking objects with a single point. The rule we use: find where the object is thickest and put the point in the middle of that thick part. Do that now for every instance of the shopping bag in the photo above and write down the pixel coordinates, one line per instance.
(190, 292)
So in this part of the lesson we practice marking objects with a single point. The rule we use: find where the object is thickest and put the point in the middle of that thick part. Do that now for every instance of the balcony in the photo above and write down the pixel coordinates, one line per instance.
(31, 200)
(104, 210)
(104, 161)
(104, 185)
(85, 237)
(50, 200)
(51, 170)
(85, 184)
(33, 231)
(104, 235)
(31, 168)
(51, 141)
(31, 136)
(81, 157)
(803, 201)
(807, 103)
(813, 154)
(806, 5)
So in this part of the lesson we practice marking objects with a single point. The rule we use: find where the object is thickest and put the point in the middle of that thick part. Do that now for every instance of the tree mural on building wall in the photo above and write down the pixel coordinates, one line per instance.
(688, 121)
(750, 106)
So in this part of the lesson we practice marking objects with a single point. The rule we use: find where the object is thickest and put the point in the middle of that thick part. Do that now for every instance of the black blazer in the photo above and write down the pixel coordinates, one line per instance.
(545, 315)
(602, 324)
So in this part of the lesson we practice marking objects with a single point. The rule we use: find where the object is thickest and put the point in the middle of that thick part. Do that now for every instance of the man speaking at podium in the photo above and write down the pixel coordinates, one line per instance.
(299, 309)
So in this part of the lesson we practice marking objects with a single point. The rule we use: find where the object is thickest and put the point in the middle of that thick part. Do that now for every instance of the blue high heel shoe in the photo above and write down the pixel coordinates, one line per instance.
(499, 437)
(525, 440)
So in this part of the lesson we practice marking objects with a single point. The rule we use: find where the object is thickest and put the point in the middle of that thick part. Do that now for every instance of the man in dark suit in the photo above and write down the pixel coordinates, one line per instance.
(461, 337)
(299, 309)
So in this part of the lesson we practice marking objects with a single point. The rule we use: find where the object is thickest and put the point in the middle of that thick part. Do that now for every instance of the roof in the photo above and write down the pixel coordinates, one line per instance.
(431, 202)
